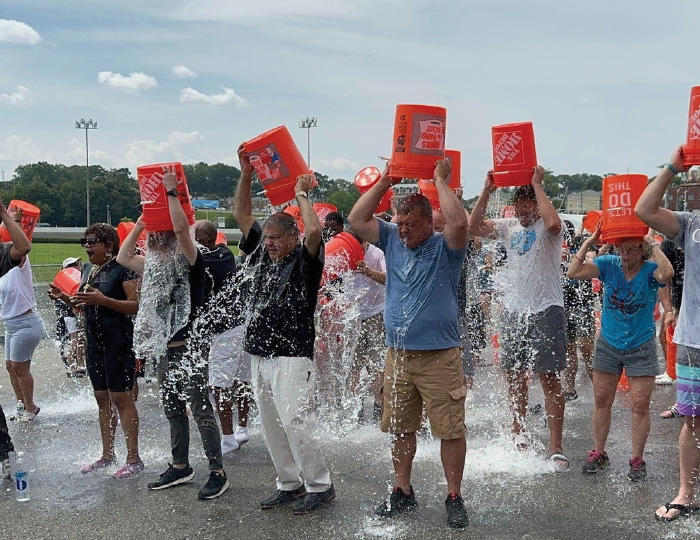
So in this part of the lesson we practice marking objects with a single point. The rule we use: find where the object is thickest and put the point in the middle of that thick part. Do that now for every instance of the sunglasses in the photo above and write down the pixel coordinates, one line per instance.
(89, 242)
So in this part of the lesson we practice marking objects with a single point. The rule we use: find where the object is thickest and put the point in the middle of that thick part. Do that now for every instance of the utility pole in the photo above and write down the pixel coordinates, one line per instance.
(308, 123)
(86, 125)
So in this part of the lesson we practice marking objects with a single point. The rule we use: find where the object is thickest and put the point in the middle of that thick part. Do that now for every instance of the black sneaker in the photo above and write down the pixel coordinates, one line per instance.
(638, 470)
(215, 486)
(456, 512)
(313, 501)
(172, 477)
(398, 503)
(282, 497)
(596, 462)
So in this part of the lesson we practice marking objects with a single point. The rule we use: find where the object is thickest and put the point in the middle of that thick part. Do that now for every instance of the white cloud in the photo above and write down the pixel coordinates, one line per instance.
(21, 96)
(20, 150)
(140, 152)
(339, 164)
(183, 72)
(12, 31)
(182, 137)
(134, 83)
(190, 95)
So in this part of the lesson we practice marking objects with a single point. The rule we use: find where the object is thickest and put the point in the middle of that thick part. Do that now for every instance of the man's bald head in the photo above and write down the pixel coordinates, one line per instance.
(205, 233)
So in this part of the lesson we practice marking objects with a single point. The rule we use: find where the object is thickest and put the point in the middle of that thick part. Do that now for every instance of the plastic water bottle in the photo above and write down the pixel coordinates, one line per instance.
(21, 479)
(12, 458)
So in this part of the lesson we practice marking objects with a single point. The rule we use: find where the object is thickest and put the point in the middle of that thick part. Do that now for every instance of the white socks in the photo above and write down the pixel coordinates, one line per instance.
(241, 435)
(228, 444)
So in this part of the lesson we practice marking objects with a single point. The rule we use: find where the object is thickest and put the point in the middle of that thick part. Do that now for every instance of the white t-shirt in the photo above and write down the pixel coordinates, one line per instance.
(371, 295)
(531, 279)
(687, 328)
(17, 291)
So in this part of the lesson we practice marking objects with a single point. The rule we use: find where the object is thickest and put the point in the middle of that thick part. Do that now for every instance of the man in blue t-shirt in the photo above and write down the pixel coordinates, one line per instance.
(423, 363)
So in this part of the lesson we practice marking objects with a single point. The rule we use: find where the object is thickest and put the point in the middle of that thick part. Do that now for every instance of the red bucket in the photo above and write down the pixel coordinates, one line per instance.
(277, 163)
(123, 230)
(454, 179)
(428, 189)
(671, 352)
(323, 209)
(68, 280)
(620, 195)
(508, 212)
(30, 217)
(295, 212)
(419, 141)
(514, 156)
(590, 222)
(623, 383)
(154, 201)
(691, 150)
(365, 179)
(221, 239)
(343, 252)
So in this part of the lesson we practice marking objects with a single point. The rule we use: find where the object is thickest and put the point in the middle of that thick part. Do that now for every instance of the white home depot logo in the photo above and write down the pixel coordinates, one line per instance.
(694, 120)
(619, 199)
(509, 149)
(431, 135)
(149, 187)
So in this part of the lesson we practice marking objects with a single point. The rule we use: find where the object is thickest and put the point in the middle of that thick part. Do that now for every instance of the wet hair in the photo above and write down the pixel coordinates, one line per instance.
(104, 233)
(645, 248)
(416, 201)
(161, 239)
(524, 192)
(206, 230)
(284, 221)
(336, 218)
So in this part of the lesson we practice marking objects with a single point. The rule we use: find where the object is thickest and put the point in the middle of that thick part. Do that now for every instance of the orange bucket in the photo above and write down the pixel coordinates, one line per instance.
(514, 155)
(620, 195)
(277, 163)
(508, 212)
(123, 230)
(671, 352)
(428, 189)
(221, 239)
(691, 150)
(419, 141)
(623, 383)
(295, 212)
(30, 217)
(68, 280)
(365, 179)
(154, 201)
(590, 222)
(343, 252)
(454, 179)
(323, 209)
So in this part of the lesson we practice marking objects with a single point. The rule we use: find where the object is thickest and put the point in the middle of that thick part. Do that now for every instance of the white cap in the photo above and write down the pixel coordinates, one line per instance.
(70, 261)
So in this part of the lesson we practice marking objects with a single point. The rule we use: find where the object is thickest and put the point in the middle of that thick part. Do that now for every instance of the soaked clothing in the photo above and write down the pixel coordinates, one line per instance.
(220, 266)
(579, 304)
(421, 311)
(689, 239)
(627, 319)
(109, 334)
(197, 281)
(23, 334)
(676, 257)
(639, 361)
(6, 264)
(688, 381)
(281, 298)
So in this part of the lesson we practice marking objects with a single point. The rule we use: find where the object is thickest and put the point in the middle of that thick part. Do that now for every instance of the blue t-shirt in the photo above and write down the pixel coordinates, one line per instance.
(421, 312)
(628, 306)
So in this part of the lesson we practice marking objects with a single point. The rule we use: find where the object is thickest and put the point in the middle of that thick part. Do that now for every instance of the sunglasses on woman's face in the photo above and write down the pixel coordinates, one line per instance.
(89, 242)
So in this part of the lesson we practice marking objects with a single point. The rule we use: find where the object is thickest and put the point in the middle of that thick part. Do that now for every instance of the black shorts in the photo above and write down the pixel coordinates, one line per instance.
(579, 324)
(111, 367)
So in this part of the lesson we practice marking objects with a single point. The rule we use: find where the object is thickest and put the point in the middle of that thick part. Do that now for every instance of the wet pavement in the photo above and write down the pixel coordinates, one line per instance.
(509, 494)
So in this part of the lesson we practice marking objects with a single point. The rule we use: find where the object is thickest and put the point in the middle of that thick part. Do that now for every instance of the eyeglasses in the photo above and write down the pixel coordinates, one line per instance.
(89, 242)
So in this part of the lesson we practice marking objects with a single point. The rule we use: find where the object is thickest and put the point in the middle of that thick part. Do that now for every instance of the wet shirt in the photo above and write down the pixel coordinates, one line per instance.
(6, 263)
(197, 278)
(627, 320)
(371, 295)
(17, 291)
(676, 257)
(689, 239)
(220, 266)
(531, 279)
(421, 310)
(468, 287)
(281, 299)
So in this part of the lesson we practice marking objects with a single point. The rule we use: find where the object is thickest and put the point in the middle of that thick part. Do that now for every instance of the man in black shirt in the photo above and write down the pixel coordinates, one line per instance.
(284, 277)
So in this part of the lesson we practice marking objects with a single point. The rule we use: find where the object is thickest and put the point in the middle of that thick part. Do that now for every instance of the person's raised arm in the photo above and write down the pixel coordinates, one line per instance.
(127, 251)
(456, 231)
(243, 205)
(177, 215)
(664, 272)
(312, 226)
(478, 226)
(20, 243)
(552, 221)
(361, 216)
(648, 207)
(580, 268)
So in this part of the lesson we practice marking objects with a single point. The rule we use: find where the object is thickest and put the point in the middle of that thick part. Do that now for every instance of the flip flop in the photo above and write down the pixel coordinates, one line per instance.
(559, 457)
(29, 416)
(683, 511)
(675, 413)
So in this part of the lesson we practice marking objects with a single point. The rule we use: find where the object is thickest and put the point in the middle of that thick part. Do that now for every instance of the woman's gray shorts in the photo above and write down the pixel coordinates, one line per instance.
(638, 362)
(22, 335)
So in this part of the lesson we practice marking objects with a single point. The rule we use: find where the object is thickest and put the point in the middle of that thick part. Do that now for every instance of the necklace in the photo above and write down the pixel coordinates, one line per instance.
(96, 268)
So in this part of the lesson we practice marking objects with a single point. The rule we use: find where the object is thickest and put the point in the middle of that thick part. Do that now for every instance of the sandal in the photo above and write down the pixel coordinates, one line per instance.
(671, 412)
(99, 464)
(560, 460)
(683, 511)
(129, 469)
(29, 416)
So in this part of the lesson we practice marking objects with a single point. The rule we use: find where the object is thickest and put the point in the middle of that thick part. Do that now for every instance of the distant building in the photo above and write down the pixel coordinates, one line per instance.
(684, 197)
(403, 190)
(583, 202)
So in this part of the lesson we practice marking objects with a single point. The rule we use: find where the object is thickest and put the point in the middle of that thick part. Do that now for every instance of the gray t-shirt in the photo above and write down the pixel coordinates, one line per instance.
(6, 263)
(687, 329)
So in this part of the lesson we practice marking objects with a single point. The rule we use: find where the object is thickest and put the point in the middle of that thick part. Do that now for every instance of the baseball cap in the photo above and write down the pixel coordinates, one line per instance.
(70, 261)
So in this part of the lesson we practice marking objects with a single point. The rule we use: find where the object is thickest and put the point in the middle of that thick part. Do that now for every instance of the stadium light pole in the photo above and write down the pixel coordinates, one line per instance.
(86, 125)
(308, 123)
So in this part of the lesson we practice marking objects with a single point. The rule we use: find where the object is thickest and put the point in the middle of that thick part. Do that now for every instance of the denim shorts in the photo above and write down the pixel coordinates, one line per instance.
(22, 336)
(638, 362)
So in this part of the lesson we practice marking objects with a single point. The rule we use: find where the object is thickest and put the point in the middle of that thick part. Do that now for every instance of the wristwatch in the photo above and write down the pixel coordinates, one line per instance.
(302, 194)
(172, 193)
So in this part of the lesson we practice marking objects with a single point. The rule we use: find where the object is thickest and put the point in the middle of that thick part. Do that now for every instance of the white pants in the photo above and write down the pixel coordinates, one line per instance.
(284, 390)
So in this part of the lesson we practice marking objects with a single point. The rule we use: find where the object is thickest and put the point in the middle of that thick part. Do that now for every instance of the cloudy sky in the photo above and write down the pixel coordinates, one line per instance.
(605, 82)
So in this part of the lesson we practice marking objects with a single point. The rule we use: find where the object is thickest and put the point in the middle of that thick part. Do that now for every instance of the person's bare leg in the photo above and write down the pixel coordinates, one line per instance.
(13, 381)
(403, 450)
(604, 388)
(571, 366)
(25, 381)
(640, 395)
(108, 423)
(224, 405)
(129, 417)
(587, 347)
(135, 389)
(452, 454)
(243, 394)
(517, 397)
(554, 404)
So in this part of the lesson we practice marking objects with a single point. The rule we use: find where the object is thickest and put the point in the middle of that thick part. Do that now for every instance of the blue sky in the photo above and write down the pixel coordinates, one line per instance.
(606, 83)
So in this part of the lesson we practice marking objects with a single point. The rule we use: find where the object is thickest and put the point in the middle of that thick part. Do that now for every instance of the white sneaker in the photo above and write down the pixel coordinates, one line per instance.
(6, 473)
(19, 412)
(241, 435)
(663, 379)
(229, 444)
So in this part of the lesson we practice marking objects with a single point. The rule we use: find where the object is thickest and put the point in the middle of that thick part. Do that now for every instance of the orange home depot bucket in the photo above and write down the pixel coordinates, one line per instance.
(295, 212)
(343, 252)
(221, 239)
(123, 230)
(68, 280)
(514, 155)
(277, 162)
(365, 179)
(428, 190)
(154, 201)
(590, 222)
(454, 179)
(30, 217)
(691, 150)
(419, 141)
(623, 383)
(323, 209)
(620, 195)
(671, 352)
(508, 212)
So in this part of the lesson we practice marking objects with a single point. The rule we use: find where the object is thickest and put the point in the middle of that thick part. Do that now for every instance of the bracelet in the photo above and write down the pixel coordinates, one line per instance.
(302, 194)
(672, 168)
(579, 258)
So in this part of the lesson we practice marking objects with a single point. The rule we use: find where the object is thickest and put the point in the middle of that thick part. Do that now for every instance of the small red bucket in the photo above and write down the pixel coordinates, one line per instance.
(221, 239)
(620, 195)
(30, 217)
(454, 179)
(623, 383)
(419, 141)
(295, 212)
(514, 155)
(277, 163)
(154, 200)
(590, 222)
(323, 209)
(691, 150)
(343, 252)
(508, 212)
(68, 280)
(123, 230)
(428, 189)
(365, 179)
(671, 352)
